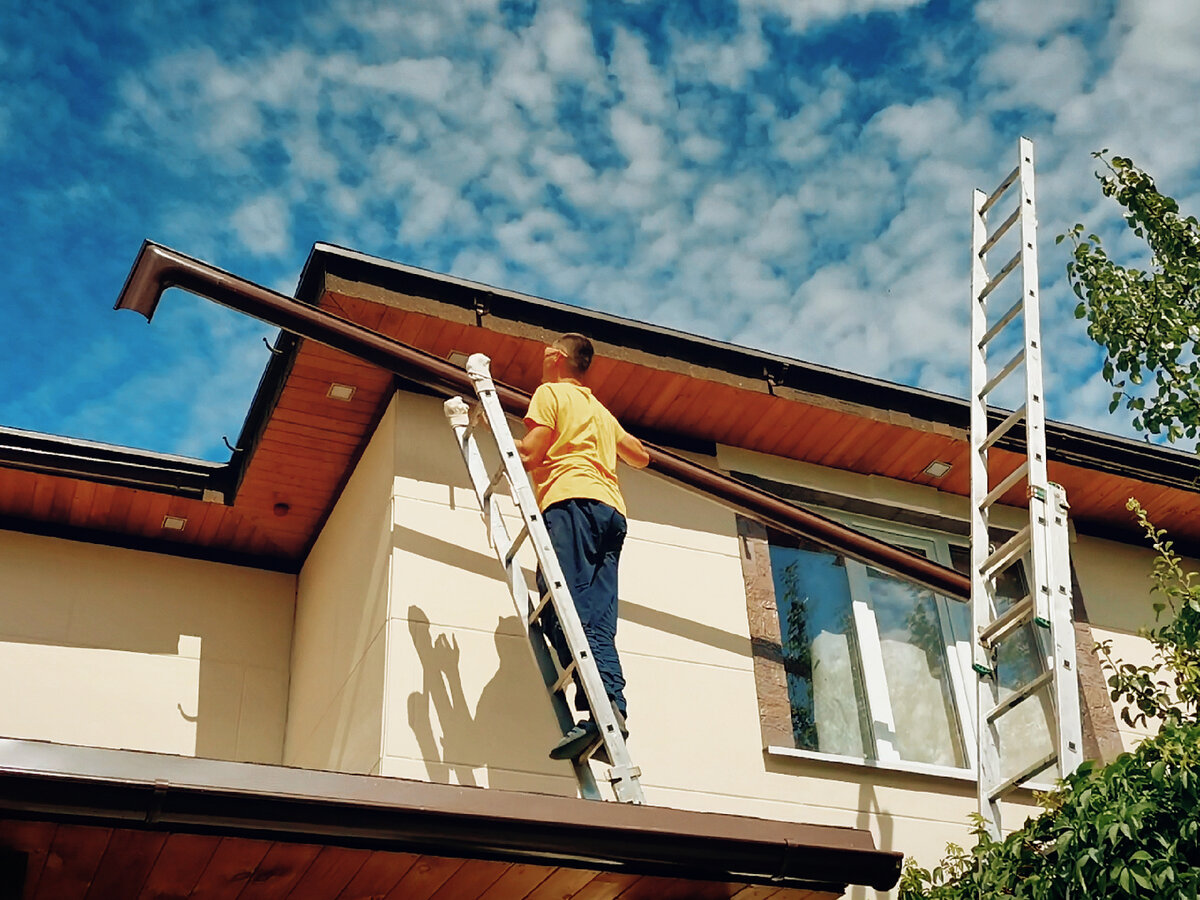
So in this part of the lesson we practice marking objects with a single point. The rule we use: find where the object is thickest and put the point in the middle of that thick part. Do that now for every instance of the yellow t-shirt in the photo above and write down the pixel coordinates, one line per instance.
(582, 459)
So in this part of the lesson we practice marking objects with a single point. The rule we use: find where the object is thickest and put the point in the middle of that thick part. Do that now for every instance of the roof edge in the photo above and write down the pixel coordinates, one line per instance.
(111, 464)
(1067, 443)
(131, 788)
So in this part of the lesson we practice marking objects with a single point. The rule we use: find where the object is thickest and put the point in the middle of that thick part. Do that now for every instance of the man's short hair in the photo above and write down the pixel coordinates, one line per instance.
(579, 351)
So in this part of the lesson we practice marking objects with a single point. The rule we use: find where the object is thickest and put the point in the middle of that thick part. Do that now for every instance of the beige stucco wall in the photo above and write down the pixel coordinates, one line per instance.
(107, 647)
(463, 702)
(335, 716)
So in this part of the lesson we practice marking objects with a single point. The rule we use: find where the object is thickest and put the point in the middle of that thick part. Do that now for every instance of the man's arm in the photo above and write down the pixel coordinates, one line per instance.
(632, 452)
(532, 448)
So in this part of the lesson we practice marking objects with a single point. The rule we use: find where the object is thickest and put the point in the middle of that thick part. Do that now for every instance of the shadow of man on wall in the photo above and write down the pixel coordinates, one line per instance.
(512, 727)
(515, 722)
(441, 695)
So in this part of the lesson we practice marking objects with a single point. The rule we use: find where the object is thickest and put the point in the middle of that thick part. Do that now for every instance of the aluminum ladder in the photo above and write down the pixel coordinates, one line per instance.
(531, 606)
(1044, 539)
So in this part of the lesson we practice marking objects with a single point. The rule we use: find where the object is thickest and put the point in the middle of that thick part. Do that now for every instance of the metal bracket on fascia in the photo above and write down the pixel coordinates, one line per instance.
(483, 307)
(154, 809)
(775, 374)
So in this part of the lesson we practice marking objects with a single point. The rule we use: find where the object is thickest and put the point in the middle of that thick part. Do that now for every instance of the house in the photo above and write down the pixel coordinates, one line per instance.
(299, 671)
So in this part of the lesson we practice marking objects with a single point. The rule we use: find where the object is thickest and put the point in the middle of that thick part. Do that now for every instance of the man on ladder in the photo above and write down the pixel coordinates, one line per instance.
(571, 451)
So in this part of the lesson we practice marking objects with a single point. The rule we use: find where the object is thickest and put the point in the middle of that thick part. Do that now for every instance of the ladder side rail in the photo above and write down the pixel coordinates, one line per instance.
(1035, 410)
(1062, 631)
(988, 770)
(497, 530)
(563, 714)
(481, 484)
(623, 773)
(1044, 515)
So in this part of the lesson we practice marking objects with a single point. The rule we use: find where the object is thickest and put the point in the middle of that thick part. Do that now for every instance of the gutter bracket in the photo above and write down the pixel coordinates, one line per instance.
(774, 374)
(785, 863)
(483, 307)
(154, 811)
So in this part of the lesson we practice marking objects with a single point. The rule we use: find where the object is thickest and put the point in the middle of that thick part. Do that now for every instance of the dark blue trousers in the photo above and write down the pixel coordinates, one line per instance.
(587, 536)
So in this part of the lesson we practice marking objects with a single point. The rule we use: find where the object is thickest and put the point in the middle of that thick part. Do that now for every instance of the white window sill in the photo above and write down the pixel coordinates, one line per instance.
(964, 776)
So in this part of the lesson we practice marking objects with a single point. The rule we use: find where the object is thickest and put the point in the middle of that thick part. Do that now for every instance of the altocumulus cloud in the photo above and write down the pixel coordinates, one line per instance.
(794, 176)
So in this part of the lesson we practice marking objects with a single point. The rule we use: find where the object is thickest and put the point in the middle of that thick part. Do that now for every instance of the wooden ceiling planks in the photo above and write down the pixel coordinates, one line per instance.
(71, 861)
(518, 880)
(78, 862)
(176, 871)
(378, 875)
(127, 861)
(280, 871)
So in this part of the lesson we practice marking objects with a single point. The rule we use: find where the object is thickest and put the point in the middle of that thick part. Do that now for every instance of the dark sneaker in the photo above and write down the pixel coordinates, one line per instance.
(576, 741)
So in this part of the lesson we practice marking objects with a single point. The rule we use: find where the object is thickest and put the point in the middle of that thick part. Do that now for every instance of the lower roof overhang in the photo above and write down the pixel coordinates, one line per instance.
(121, 466)
(147, 791)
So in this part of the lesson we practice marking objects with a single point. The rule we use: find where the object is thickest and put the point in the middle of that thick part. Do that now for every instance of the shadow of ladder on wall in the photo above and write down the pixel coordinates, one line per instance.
(581, 668)
(1044, 539)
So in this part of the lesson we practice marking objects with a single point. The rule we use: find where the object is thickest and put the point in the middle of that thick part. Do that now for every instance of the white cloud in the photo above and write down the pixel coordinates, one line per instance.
(643, 144)
(1036, 76)
(803, 13)
(1032, 18)
(720, 61)
(645, 89)
(425, 79)
(566, 41)
(263, 225)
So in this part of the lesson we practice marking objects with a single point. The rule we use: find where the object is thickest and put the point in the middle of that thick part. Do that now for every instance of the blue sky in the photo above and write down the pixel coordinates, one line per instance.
(792, 175)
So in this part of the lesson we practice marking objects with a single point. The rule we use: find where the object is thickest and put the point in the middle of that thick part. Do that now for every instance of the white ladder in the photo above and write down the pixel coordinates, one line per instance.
(531, 607)
(1044, 539)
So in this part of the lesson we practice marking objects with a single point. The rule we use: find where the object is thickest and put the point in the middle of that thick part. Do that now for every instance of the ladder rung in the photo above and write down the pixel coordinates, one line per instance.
(565, 678)
(1002, 429)
(1006, 485)
(999, 192)
(1000, 232)
(1003, 373)
(540, 608)
(515, 545)
(1012, 619)
(1004, 320)
(496, 479)
(1016, 697)
(1001, 275)
(1012, 549)
(1028, 772)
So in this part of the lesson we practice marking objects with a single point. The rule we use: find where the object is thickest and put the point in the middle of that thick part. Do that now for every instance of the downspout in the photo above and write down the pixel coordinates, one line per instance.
(158, 268)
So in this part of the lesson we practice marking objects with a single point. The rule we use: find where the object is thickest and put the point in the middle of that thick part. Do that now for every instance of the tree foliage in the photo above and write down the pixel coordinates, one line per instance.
(1147, 321)
(1127, 829)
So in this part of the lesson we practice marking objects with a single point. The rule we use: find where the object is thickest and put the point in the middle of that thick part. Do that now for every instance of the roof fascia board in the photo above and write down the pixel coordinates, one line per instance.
(1071, 444)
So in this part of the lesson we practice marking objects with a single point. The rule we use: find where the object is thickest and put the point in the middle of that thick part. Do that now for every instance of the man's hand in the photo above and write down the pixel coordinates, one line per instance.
(532, 448)
(632, 452)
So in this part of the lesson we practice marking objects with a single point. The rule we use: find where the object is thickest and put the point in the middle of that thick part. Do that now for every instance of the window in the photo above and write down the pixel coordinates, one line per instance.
(877, 668)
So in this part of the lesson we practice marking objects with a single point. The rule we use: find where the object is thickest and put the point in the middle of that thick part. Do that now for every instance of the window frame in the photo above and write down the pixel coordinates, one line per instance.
(957, 646)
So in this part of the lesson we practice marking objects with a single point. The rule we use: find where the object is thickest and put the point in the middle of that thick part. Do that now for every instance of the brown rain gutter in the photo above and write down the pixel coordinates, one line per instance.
(158, 268)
